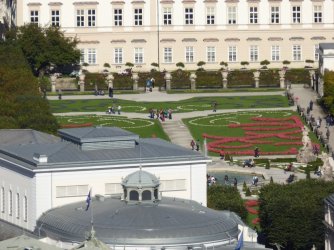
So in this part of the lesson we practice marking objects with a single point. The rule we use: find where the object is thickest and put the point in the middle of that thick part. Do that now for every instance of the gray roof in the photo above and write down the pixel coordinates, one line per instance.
(170, 221)
(25, 136)
(323, 46)
(68, 154)
(93, 134)
(141, 178)
(24, 242)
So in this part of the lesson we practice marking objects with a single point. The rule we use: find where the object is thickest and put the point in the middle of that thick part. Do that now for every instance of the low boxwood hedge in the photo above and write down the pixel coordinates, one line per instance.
(180, 79)
(297, 76)
(269, 78)
(208, 79)
(240, 78)
(92, 79)
(158, 77)
(122, 82)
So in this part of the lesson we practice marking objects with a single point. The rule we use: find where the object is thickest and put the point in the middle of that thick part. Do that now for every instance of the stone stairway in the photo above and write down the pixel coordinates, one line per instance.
(177, 132)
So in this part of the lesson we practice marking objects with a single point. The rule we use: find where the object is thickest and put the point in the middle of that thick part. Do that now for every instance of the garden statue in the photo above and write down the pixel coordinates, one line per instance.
(305, 154)
(327, 167)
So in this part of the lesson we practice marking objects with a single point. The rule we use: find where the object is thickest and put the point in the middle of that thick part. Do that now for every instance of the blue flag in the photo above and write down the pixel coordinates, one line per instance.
(240, 242)
(88, 199)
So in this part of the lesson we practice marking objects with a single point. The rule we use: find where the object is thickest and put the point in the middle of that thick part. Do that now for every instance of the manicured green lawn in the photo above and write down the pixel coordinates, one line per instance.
(217, 125)
(228, 90)
(145, 128)
(192, 104)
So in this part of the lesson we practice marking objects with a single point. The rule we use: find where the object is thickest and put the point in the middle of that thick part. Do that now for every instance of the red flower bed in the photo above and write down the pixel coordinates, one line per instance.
(82, 125)
(252, 203)
(252, 139)
(256, 221)
(252, 210)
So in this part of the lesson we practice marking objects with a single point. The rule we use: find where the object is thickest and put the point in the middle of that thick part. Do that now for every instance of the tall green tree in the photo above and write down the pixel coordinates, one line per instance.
(45, 46)
(291, 215)
(222, 197)
(21, 104)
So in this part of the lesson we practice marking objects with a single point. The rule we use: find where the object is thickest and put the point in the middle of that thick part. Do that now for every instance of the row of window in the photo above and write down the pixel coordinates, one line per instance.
(90, 55)
(17, 204)
(87, 17)
(116, 188)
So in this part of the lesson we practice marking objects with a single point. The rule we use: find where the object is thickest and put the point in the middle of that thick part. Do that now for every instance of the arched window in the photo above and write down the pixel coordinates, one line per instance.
(17, 206)
(134, 196)
(146, 195)
(10, 203)
(25, 207)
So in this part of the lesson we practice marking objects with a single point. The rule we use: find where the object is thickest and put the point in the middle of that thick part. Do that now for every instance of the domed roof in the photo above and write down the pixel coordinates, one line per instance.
(140, 178)
(168, 222)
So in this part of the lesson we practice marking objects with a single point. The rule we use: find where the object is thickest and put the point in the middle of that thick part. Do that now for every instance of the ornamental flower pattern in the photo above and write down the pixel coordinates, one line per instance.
(261, 131)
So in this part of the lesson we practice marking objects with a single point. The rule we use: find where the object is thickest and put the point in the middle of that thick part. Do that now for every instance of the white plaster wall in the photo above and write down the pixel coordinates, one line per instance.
(328, 63)
(23, 185)
(46, 184)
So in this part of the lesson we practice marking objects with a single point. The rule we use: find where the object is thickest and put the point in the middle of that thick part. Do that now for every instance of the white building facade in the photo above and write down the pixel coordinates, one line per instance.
(167, 32)
(32, 183)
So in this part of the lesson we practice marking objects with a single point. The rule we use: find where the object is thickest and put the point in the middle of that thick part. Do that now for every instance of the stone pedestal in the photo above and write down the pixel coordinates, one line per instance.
(193, 80)
(257, 78)
(53, 79)
(224, 75)
(168, 78)
(82, 82)
(135, 79)
(281, 79)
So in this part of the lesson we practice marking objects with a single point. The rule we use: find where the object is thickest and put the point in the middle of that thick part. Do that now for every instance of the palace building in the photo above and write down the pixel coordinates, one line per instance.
(167, 32)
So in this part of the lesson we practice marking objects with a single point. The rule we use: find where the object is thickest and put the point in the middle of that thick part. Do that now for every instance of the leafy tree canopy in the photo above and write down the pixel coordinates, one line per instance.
(44, 47)
(291, 215)
(222, 197)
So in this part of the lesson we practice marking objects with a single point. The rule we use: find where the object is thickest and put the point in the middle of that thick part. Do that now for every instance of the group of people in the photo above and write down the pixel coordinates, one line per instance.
(249, 163)
(161, 114)
(112, 109)
(212, 180)
(255, 180)
(98, 92)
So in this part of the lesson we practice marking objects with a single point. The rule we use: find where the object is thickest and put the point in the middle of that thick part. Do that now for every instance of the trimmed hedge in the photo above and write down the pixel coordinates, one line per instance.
(95, 78)
(180, 79)
(122, 82)
(209, 79)
(240, 78)
(269, 78)
(158, 77)
(297, 76)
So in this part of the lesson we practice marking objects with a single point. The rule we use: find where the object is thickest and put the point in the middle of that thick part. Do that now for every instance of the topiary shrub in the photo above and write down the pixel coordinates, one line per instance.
(267, 165)
(248, 192)
(244, 186)
(92, 79)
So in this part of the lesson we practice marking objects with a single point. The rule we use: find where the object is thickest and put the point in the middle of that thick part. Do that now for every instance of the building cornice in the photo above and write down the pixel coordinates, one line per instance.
(168, 40)
(166, 1)
(210, 1)
(189, 40)
(89, 42)
(231, 1)
(138, 2)
(251, 39)
(296, 38)
(210, 40)
(117, 2)
(138, 41)
(118, 41)
(275, 39)
(85, 3)
(232, 39)
(55, 4)
(34, 4)
(318, 38)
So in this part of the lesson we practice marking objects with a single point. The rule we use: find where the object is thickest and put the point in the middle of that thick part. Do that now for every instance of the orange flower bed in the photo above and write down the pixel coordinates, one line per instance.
(82, 125)
(252, 203)
(256, 221)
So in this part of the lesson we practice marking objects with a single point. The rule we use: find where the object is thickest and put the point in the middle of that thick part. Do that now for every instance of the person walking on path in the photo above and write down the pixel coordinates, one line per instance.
(214, 106)
(197, 145)
(256, 152)
(311, 105)
(119, 109)
(192, 144)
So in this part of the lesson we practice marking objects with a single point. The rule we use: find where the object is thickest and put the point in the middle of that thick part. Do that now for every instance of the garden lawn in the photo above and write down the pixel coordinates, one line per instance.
(145, 128)
(192, 104)
(220, 126)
